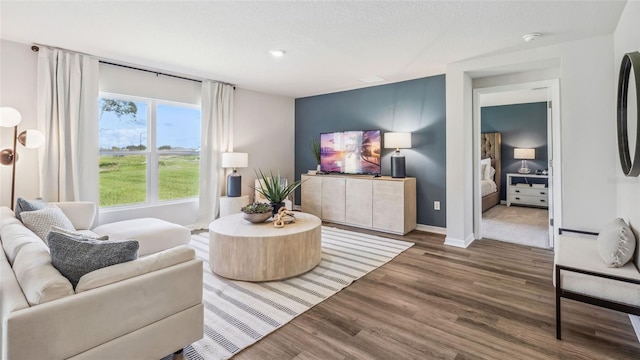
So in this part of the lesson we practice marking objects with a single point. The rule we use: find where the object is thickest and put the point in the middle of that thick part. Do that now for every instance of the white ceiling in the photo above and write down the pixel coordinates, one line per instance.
(329, 45)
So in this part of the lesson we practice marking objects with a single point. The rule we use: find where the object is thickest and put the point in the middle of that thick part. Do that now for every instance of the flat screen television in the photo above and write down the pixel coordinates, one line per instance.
(350, 152)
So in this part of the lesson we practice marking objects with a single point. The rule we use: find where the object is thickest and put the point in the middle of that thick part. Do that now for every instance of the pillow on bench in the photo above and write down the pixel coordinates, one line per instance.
(616, 243)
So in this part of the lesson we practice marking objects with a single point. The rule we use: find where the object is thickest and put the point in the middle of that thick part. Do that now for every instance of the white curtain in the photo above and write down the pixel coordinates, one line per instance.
(217, 133)
(68, 116)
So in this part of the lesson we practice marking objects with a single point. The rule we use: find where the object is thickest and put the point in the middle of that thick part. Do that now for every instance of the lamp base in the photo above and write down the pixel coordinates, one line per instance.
(524, 171)
(398, 168)
(234, 185)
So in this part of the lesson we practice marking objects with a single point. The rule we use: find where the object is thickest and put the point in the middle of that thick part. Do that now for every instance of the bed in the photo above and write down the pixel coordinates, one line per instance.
(490, 154)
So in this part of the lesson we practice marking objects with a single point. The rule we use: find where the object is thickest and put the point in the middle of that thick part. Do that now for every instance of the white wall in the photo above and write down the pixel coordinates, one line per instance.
(627, 39)
(263, 127)
(18, 79)
(587, 132)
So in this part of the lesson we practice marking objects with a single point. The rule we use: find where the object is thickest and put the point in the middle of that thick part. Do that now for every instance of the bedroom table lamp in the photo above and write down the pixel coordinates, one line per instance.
(524, 155)
(234, 180)
(397, 140)
(31, 139)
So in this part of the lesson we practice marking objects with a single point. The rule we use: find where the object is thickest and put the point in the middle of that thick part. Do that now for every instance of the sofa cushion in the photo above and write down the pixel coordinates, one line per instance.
(153, 234)
(23, 204)
(41, 221)
(14, 237)
(582, 253)
(75, 256)
(616, 243)
(147, 264)
(7, 217)
(39, 280)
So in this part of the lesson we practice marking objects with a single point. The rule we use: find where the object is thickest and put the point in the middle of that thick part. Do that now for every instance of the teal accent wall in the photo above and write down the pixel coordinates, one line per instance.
(522, 126)
(417, 106)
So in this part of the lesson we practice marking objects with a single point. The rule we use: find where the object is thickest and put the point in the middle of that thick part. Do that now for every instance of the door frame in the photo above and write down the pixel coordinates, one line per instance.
(554, 155)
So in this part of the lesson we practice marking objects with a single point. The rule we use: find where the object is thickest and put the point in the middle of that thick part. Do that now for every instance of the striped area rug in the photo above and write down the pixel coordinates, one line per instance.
(238, 313)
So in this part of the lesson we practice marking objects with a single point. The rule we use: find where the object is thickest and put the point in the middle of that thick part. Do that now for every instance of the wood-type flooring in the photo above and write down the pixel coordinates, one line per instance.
(493, 300)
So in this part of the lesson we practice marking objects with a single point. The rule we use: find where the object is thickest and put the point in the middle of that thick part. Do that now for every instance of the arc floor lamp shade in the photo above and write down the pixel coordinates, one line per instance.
(397, 140)
(10, 117)
(234, 180)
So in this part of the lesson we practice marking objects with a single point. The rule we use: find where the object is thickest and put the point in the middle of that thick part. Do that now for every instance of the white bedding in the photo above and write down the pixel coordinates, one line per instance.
(488, 186)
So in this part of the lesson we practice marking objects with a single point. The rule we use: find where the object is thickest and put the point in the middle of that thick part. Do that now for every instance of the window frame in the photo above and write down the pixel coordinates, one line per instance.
(151, 153)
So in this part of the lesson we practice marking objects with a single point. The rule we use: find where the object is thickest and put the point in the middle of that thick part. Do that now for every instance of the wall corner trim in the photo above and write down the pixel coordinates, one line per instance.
(432, 229)
(458, 242)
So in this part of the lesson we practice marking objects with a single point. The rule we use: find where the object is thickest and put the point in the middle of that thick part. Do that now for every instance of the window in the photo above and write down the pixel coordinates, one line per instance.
(149, 150)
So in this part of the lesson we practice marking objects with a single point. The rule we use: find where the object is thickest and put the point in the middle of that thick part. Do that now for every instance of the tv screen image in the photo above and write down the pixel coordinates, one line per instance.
(350, 152)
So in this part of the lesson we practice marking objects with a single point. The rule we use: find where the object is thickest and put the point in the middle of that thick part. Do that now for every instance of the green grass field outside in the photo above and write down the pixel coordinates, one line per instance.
(123, 179)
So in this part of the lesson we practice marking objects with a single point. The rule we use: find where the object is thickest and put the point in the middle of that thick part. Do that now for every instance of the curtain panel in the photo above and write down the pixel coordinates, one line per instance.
(68, 116)
(217, 133)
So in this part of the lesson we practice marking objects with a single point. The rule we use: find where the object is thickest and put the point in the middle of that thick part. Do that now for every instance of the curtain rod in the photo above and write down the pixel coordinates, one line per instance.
(35, 48)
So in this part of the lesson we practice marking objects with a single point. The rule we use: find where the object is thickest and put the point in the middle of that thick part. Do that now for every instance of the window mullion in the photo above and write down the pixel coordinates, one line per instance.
(152, 164)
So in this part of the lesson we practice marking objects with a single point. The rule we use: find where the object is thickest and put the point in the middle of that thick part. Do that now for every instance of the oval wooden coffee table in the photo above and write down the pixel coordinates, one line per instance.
(241, 250)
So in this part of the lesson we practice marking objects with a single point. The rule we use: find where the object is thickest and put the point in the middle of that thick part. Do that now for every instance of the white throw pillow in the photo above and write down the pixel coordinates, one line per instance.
(41, 221)
(616, 243)
(487, 162)
(483, 168)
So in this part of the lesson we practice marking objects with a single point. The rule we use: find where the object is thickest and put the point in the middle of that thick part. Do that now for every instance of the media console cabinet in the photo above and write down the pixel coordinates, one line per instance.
(379, 203)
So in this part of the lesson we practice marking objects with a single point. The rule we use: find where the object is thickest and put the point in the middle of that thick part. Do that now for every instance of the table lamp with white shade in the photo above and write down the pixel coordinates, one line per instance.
(524, 155)
(31, 139)
(234, 180)
(397, 140)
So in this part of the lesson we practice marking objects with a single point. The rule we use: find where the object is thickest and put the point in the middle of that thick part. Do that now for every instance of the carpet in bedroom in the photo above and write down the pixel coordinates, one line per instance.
(517, 224)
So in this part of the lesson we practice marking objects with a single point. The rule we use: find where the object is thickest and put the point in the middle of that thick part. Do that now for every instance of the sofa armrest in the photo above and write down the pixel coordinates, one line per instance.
(77, 323)
(119, 272)
(81, 213)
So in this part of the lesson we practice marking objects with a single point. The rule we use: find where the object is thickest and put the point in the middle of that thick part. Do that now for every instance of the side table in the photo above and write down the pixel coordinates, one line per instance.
(232, 205)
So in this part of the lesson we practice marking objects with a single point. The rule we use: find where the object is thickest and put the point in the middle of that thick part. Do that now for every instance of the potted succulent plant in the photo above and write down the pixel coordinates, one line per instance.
(256, 212)
(275, 189)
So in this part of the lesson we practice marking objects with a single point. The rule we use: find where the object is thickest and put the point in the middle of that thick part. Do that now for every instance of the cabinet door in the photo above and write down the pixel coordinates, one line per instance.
(388, 206)
(359, 202)
(333, 199)
(311, 192)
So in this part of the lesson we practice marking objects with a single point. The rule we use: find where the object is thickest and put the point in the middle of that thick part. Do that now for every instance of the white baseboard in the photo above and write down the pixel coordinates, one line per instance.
(635, 322)
(459, 243)
(432, 229)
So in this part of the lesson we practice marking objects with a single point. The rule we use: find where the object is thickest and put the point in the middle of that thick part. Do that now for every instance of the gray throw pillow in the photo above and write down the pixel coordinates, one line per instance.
(23, 204)
(75, 256)
(41, 221)
(616, 243)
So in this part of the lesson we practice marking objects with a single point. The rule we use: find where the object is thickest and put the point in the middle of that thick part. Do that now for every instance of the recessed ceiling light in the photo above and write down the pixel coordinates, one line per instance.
(276, 52)
(531, 37)
(372, 79)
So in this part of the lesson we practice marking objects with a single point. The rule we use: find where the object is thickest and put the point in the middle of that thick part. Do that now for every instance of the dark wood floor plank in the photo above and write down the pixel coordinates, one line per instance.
(494, 300)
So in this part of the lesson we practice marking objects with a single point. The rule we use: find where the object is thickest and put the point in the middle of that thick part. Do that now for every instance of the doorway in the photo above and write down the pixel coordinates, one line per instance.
(525, 211)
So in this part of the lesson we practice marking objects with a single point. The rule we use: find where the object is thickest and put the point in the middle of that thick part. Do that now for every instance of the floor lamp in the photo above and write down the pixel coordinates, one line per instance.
(10, 117)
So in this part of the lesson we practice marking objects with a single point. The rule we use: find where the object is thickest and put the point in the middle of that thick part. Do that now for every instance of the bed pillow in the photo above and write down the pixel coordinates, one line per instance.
(23, 204)
(75, 256)
(492, 173)
(483, 168)
(485, 173)
(41, 221)
(616, 243)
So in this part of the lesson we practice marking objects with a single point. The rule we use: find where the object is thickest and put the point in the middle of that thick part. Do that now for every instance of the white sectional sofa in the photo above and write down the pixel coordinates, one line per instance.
(143, 309)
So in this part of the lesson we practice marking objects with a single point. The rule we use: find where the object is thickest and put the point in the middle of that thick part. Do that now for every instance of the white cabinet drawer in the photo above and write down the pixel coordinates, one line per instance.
(529, 191)
(529, 200)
